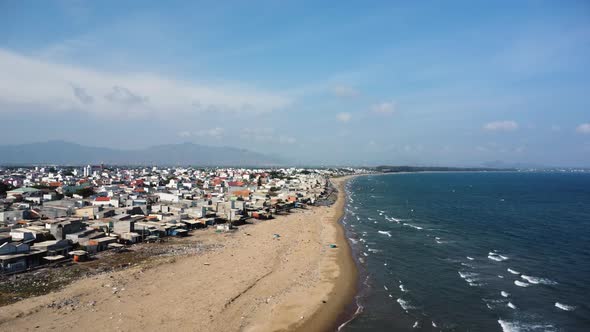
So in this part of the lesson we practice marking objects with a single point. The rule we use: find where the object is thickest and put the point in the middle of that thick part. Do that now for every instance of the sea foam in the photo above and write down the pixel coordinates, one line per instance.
(497, 257)
(413, 226)
(385, 233)
(521, 284)
(536, 280)
(470, 278)
(565, 306)
(466, 275)
(404, 304)
(512, 271)
(523, 327)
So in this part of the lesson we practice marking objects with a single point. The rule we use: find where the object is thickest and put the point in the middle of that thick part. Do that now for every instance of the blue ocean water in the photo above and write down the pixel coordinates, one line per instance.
(471, 251)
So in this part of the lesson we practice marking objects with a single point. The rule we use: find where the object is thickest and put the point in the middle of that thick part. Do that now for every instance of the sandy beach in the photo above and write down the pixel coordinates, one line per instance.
(251, 281)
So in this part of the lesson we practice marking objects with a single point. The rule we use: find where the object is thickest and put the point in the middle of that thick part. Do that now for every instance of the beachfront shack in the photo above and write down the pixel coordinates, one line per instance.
(98, 244)
(18, 257)
(79, 255)
(54, 247)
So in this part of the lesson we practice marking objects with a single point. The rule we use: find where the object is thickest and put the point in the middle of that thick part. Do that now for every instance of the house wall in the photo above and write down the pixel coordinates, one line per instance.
(89, 212)
(12, 216)
(124, 226)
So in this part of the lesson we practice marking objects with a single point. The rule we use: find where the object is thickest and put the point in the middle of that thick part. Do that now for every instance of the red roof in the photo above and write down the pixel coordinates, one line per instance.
(103, 199)
(243, 193)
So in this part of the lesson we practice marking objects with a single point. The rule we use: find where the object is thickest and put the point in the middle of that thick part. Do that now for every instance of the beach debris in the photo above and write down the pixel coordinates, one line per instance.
(332, 245)
(206, 263)
(276, 236)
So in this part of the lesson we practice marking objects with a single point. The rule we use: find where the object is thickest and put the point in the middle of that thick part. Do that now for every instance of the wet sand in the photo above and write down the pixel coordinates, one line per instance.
(252, 281)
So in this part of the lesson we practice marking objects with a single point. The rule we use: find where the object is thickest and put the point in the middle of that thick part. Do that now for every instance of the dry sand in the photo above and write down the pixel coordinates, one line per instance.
(251, 283)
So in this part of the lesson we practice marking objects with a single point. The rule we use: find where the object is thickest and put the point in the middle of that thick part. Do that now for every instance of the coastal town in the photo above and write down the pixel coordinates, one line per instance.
(54, 216)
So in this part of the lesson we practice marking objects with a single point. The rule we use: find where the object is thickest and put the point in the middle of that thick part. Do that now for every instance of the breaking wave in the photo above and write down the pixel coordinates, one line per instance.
(536, 280)
(565, 306)
(523, 327)
(497, 257)
(413, 226)
(404, 304)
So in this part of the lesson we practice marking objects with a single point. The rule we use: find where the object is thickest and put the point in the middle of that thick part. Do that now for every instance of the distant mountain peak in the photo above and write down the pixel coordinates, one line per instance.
(186, 153)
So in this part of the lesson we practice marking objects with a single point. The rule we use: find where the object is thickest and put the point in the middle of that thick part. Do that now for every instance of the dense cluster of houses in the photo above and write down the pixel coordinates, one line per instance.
(53, 214)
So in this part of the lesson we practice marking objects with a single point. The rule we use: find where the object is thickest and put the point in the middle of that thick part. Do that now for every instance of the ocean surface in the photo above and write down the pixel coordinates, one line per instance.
(471, 251)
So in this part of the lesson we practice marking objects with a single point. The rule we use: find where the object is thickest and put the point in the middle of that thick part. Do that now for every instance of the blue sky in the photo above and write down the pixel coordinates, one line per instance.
(347, 82)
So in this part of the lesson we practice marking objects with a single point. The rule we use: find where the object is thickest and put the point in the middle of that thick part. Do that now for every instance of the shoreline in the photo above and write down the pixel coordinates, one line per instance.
(334, 313)
(250, 281)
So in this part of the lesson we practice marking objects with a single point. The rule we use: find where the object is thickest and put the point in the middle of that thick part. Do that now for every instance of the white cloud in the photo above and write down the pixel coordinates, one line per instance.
(287, 140)
(345, 91)
(211, 132)
(384, 108)
(343, 117)
(36, 83)
(216, 132)
(583, 128)
(266, 135)
(501, 126)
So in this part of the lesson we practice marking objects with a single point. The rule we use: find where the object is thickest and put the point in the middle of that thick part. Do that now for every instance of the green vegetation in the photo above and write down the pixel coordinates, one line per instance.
(41, 186)
(4, 188)
(85, 192)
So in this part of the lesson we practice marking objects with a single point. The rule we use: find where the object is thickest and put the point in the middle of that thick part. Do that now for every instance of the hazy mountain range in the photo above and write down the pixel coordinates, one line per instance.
(66, 153)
